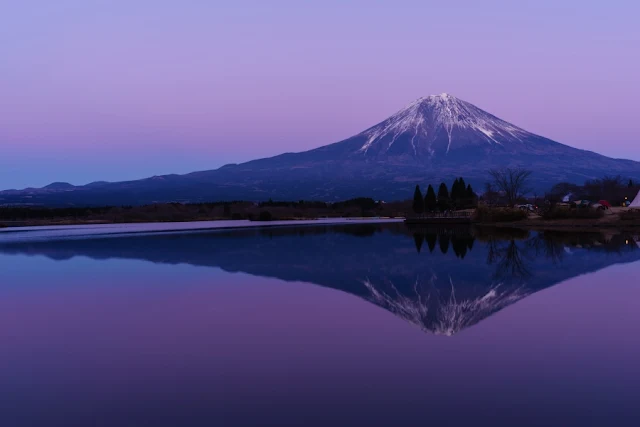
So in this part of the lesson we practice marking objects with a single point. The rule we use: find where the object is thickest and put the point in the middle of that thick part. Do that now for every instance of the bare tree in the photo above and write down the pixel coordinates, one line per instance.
(514, 183)
(490, 196)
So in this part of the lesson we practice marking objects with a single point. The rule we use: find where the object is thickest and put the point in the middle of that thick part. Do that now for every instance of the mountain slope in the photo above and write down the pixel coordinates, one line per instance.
(433, 139)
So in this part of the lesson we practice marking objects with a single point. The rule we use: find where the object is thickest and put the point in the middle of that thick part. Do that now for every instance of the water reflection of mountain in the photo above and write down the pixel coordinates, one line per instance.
(441, 280)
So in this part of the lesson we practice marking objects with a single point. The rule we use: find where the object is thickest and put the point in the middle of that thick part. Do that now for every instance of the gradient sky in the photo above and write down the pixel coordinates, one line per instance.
(123, 89)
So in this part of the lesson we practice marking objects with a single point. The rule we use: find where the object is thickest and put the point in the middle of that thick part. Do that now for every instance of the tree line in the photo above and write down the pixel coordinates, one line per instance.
(513, 185)
(461, 196)
(614, 189)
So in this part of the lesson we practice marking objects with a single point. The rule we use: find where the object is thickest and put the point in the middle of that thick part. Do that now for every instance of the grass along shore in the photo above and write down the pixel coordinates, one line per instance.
(219, 211)
(614, 218)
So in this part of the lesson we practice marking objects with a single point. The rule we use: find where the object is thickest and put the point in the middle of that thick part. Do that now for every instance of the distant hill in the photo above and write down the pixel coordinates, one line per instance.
(59, 186)
(433, 139)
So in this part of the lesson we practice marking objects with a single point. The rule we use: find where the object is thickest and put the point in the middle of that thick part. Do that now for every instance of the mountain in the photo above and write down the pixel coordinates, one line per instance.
(441, 280)
(433, 139)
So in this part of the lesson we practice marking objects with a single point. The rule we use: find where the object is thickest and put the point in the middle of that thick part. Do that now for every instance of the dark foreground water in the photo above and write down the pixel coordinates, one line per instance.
(320, 325)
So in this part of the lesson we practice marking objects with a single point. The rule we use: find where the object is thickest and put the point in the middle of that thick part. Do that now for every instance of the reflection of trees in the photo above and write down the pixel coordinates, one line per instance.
(551, 248)
(459, 240)
(553, 244)
(507, 250)
(443, 241)
(432, 239)
(461, 245)
(418, 240)
(510, 259)
(511, 249)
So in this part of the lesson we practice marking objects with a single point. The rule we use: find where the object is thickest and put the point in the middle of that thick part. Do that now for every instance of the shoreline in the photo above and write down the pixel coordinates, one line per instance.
(120, 229)
(537, 224)
(70, 223)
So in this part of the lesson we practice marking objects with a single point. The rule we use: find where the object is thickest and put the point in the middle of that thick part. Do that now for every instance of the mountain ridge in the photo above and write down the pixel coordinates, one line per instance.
(431, 140)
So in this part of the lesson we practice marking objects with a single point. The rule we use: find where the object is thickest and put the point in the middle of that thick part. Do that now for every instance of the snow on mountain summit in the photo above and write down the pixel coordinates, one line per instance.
(434, 117)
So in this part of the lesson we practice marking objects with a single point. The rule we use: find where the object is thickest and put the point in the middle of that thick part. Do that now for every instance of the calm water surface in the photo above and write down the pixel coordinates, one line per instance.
(350, 324)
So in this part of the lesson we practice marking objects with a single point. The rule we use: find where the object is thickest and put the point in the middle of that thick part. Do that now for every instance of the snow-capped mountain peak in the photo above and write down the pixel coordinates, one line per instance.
(440, 123)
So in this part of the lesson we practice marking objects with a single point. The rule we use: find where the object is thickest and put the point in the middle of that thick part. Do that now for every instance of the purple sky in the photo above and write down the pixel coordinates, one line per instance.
(115, 89)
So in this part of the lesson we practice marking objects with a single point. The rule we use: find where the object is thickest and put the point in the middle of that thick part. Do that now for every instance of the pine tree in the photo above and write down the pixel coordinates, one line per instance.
(458, 193)
(472, 197)
(418, 201)
(455, 191)
(462, 193)
(630, 183)
(443, 197)
(430, 200)
(470, 193)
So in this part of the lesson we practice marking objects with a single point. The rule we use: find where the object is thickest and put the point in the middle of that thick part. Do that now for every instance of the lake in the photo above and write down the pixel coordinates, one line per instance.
(318, 324)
